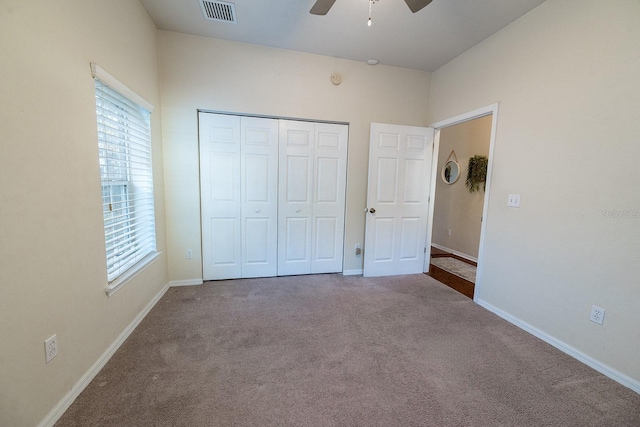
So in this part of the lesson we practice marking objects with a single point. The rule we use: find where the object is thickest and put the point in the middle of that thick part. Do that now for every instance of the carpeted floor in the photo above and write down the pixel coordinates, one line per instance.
(457, 267)
(329, 350)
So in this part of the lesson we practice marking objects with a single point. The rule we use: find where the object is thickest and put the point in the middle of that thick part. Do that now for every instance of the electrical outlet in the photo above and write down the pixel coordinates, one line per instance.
(358, 249)
(597, 314)
(188, 254)
(51, 348)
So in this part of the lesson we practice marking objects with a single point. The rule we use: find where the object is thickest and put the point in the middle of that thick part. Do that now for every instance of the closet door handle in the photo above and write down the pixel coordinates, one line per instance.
(372, 210)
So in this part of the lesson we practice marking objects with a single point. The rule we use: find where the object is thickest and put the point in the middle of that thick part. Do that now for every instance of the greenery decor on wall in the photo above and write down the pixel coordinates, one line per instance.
(477, 173)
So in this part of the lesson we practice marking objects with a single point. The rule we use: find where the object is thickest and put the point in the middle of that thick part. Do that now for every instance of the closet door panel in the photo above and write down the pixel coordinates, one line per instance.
(330, 156)
(295, 207)
(220, 195)
(259, 184)
(257, 249)
(297, 188)
(328, 180)
(324, 238)
(296, 247)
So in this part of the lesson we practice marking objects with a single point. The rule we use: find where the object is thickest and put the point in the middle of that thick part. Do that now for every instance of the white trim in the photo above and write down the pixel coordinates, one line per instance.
(480, 112)
(565, 348)
(454, 252)
(357, 272)
(99, 73)
(128, 275)
(188, 282)
(263, 116)
(58, 410)
(432, 197)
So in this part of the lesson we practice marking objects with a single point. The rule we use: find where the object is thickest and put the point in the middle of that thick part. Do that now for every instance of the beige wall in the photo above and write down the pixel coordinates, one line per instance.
(201, 73)
(456, 208)
(566, 76)
(52, 253)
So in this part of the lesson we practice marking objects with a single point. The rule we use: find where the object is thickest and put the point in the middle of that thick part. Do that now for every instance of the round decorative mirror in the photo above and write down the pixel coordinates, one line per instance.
(450, 172)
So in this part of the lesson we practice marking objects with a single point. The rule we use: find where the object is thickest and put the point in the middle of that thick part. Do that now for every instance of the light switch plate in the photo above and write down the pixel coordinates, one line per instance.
(513, 201)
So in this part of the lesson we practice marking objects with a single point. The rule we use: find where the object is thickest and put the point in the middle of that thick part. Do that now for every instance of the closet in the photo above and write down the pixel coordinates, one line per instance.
(272, 196)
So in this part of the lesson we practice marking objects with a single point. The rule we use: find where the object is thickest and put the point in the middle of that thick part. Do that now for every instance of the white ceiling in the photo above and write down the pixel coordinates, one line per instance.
(424, 41)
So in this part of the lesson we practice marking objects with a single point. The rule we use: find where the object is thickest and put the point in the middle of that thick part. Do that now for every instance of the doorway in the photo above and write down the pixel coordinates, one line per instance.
(458, 216)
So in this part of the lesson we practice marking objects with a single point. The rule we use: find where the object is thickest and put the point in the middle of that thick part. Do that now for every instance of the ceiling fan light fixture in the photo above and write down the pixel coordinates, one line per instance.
(321, 7)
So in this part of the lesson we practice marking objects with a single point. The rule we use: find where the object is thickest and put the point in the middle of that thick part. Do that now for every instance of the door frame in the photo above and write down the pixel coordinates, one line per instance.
(438, 126)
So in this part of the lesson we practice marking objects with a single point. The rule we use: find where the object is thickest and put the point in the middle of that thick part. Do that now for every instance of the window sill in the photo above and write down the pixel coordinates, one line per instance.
(114, 286)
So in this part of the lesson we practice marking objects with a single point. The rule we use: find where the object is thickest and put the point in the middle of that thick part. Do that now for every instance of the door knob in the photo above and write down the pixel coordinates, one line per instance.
(297, 210)
(257, 210)
(372, 210)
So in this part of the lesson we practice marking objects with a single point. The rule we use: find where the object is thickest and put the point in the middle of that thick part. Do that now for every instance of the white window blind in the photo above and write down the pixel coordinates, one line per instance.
(124, 143)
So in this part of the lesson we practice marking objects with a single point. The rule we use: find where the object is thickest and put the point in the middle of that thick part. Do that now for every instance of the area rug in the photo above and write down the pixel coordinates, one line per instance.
(457, 267)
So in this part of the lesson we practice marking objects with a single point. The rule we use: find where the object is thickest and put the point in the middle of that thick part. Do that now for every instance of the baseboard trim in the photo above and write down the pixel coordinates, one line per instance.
(54, 415)
(188, 282)
(617, 376)
(451, 251)
(352, 272)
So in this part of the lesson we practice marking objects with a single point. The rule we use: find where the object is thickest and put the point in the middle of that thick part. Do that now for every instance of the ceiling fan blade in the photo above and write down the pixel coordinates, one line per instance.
(321, 7)
(416, 5)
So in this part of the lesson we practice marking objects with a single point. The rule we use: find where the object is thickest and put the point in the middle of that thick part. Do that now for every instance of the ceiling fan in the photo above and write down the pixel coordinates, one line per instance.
(321, 7)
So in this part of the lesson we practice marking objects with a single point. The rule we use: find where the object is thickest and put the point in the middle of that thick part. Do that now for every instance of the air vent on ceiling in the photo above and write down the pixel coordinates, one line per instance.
(219, 11)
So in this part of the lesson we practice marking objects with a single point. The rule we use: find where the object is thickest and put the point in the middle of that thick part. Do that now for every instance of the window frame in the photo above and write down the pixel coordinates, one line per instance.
(120, 148)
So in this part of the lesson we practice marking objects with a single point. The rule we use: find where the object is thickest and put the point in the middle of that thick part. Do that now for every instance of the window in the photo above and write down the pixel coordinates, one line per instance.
(124, 144)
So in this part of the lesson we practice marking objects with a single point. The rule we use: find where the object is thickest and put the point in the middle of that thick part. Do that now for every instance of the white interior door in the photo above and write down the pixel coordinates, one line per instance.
(330, 175)
(295, 208)
(400, 160)
(220, 196)
(259, 191)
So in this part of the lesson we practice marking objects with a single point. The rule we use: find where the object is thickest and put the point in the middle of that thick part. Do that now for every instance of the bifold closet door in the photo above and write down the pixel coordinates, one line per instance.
(312, 176)
(238, 185)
